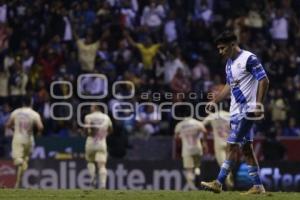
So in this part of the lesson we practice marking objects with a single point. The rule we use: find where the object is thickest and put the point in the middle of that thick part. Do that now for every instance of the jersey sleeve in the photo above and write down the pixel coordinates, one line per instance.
(37, 118)
(254, 66)
(201, 126)
(207, 120)
(109, 123)
(13, 115)
(86, 120)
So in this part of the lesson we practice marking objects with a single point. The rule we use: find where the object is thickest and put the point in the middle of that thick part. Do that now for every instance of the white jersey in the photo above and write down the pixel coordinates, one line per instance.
(220, 125)
(243, 74)
(24, 121)
(98, 124)
(190, 132)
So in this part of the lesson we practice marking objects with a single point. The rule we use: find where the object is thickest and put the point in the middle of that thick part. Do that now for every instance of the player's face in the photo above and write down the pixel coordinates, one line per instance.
(224, 50)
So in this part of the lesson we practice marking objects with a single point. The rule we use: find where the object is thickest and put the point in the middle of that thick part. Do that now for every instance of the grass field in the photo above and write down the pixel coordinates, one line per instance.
(24, 194)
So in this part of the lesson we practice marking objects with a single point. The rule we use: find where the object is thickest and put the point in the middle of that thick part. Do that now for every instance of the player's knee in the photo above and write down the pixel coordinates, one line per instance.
(232, 148)
(18, 161)
(102, 170)
(247, 149)
(190, 175)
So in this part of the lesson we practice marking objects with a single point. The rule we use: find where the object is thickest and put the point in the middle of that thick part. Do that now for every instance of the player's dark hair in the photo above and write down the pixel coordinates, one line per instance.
(225, 37)
(26, 100)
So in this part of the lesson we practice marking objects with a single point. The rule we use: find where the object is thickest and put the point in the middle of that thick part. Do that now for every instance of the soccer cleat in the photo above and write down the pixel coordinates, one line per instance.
(215, 186)
(258, 189)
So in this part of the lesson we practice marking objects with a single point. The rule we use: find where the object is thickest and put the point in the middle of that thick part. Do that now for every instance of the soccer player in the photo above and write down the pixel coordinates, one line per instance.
(247, 83)
(98, 125)
(219, 121)
(190, 131)
(23, 121)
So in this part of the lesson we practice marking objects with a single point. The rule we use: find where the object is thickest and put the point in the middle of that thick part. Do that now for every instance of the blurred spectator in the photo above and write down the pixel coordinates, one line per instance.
(170, 28)
(147, 49)
(254, 19)
(180, 85)
(4, 115)
(87, 50)
(128, 14)
(200, 70)
(153, 14)
(3, 11)
(92, 85)
(279, 107)
(279, 29)
(203, 12)
(171, 65)
(17, 83)
(273, 150)
(148, 120)
(5, 33)
(293, 129)
(4, 78)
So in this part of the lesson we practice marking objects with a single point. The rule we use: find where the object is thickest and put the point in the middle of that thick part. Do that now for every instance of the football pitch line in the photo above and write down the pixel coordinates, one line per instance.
(40, 194)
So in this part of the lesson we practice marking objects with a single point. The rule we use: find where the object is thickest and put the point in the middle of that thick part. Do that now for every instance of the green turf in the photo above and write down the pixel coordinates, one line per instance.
(24, 194)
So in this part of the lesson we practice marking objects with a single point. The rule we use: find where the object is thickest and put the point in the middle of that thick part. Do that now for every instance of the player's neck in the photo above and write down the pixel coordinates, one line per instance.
(236, 52)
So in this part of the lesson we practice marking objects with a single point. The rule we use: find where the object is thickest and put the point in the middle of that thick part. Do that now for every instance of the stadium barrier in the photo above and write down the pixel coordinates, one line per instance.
(143, 175)
(156, 148)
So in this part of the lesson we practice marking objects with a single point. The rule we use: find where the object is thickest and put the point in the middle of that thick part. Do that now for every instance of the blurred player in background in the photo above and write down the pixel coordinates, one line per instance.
(98, 125)
(247, 82)
(191, 131)
(24, 121)
(219, 121)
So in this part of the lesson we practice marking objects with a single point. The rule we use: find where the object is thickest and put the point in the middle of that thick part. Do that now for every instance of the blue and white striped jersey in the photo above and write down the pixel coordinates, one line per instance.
(243, 74)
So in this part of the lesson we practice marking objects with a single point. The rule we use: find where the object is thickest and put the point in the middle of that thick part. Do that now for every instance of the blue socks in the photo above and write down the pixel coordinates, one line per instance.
(254, 175)
(225, 169)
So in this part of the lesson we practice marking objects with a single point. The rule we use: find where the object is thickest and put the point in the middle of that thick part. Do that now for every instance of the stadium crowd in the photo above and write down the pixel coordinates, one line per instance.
(163, 47)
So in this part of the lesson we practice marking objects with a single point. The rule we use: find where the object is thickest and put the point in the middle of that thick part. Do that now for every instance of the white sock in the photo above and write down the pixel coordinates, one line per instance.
(190, 178)
(92, 169)
(103, 176)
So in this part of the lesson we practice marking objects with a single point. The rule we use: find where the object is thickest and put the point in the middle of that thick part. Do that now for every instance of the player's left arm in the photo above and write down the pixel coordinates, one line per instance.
(256, 69)
(110, 127)
(10, 123)
(87, 126)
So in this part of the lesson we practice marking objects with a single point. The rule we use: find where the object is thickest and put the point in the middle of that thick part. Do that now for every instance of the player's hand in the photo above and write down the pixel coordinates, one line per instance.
(259, 115)
(210, 106)
(259, 112)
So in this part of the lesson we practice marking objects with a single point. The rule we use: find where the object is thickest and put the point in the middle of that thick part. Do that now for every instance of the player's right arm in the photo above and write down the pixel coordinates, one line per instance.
(39, 125)
(177, 130)
(110, 127)
(87, 128)
(10, 123)
(220, 97)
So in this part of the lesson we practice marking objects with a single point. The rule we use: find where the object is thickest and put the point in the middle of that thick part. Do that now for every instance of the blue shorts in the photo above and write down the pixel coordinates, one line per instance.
(241, 129)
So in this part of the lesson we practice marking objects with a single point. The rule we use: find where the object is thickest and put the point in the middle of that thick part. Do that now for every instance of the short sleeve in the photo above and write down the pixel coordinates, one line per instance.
(109, 123)
(255, 68)
(86, 120)
(207, 120)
